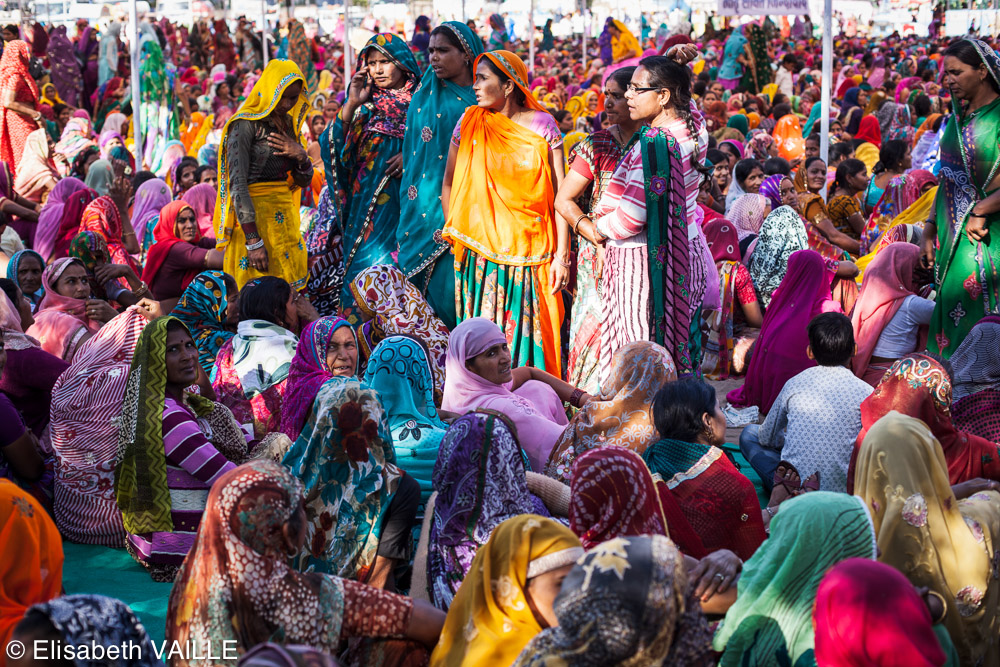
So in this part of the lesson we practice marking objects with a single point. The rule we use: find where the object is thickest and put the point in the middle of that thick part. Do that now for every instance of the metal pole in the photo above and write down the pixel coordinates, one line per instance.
(133, 43)
(824, 132)
(263, 29)
(463, 11)
(348, 64)
(531, 38)
(586, 26)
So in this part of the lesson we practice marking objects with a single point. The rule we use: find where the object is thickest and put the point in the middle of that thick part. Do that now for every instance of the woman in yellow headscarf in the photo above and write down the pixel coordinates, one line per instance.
(940, 536)
(504, 167)
(624, 45)
(504, 600)
(50, 95)
(262, 168)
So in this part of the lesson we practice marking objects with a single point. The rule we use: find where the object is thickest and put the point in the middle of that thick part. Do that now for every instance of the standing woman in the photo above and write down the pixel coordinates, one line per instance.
(966, 273)
(257, 211)
(592, 164)
(86, 53)
(444, 93)
(19, 102)
(65, 70)
(504, 167)
(362, 154)
(499, 39)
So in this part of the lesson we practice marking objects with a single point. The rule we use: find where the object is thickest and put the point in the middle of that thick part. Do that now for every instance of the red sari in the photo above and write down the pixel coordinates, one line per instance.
(16, 80)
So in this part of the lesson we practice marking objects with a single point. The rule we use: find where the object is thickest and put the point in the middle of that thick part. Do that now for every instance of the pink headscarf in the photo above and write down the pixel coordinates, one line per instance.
(201, 198)
(908, 82)
(61, 321)
(780, 351)
(14, 337)
(50, 217)
(888, 280)
(747, 214)
(465, 391)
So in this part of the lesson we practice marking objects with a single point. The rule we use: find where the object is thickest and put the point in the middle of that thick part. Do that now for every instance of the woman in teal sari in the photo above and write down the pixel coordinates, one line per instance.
(399, 371)
(967, 260)
(444, 93)
(362, 153)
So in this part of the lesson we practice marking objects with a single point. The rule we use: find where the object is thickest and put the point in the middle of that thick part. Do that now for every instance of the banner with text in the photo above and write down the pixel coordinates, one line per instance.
(763, 7)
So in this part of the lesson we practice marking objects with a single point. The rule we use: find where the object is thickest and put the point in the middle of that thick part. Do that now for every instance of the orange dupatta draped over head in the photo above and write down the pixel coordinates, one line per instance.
(502, 192)
(788, 136)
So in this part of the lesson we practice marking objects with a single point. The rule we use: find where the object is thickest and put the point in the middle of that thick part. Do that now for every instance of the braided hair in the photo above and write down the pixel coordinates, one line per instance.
(668, 74)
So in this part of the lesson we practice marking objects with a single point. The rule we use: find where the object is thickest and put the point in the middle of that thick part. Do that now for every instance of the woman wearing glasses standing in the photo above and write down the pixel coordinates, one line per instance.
(653, 282)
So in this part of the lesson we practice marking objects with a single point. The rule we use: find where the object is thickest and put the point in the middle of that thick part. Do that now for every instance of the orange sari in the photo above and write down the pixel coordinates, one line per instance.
(502, 210)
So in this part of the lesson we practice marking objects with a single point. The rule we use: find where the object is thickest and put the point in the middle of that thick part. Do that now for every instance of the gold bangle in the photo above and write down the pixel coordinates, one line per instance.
(576, 225)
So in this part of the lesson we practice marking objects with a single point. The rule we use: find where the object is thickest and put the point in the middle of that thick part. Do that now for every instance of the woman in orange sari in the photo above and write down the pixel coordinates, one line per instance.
(504, 167)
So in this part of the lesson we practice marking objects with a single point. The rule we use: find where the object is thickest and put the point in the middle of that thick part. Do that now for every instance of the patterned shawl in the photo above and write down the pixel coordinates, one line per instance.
(782, 234)
(639, 582)
(262, 355)
(390, 106)
(141, 463)
(90, 248)
(975, 365)
(307, 372)
(919, 386)
(621, 415)
(76, 136)
(89, 621)
(937, 541)
(101, 216)
(391, 304)
(401, 374)
(203, 310)
(747, 212)
(480, 481)
(772, 615)
(236, 584)
(345, 459)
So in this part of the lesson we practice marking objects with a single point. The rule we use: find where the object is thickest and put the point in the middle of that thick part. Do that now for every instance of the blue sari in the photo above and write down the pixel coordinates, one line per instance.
(355, 157)
(436, 107)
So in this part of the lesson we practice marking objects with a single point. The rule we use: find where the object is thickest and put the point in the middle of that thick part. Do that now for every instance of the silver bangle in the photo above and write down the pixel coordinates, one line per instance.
(255, 246)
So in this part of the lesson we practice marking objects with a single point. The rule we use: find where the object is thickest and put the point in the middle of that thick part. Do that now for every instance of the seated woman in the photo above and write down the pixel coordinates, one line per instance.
(390, 304)
(25, 269)
(747, 177)
(869, 613)
(83, 436)
(621, 415)
(70, 622)
(30, 537)
(941, 537)
(255, 517)
(105, 278)
(657, 621)
(890, 319)
(772, 614)
(67, 316)
(21, 456)
(251, 368)
(734, 328)
(894, 160)
(976, 381)
(401, 374)
(209, 308)
(36, 175)
(780, 350)
(748, 213)
(919, 386)
(172, 447)
(506, 599)
(480, 482)
(361, 506)
(900, 194)
(842, 204)
(719, 503)
(29, 372)
(178, 254)
(819, 223)
(480, 376)
(328, 348)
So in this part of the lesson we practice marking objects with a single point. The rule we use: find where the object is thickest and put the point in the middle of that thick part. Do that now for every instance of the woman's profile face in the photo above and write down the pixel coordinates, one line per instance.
(181, 358)
(288, 98)
(493, 365)
(615, 103)
(490, 92)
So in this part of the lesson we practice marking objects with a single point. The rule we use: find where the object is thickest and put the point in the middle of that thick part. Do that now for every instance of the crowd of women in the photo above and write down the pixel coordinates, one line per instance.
(410, 368)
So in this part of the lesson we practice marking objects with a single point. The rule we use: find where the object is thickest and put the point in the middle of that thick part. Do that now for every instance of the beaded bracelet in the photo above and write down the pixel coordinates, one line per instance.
(255, 246)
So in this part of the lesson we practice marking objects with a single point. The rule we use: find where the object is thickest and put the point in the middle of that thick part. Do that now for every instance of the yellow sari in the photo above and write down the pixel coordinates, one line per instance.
(276, 204)
(868, 154)
(935, 540)
(624, 44)
(916, 214)
(490, 621)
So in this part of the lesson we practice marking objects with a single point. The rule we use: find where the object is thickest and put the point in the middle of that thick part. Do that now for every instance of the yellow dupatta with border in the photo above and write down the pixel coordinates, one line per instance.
(915, 214)
(281, 197)
(624, 43)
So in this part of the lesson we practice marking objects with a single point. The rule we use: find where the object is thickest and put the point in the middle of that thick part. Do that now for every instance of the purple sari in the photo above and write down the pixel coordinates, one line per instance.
(86, 52)
(480, 481)
(65, 70)
(50, 217)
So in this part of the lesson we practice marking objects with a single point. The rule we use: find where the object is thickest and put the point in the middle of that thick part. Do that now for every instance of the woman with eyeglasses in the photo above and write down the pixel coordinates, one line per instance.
(592, 163)
(648, 211)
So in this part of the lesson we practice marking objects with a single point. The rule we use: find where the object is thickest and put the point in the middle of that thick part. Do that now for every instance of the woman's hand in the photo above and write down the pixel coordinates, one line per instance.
(258, 259)
(683, 53)
(285, 146)
(394, 166)
(120, 189)
(307, 312)
(360, 89)
(976, 228)
(149, 309)
(558, 276)
(927, 244)
(107, 272)
(100, 310)
(599, 266)
(966, 489)
(715, 573)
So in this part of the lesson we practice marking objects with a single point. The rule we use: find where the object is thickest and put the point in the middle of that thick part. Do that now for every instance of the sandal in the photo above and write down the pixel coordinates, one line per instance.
(778, 480)
(811, 483)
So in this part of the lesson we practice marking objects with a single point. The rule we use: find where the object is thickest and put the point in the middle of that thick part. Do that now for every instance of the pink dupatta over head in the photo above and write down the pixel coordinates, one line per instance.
(61, 321)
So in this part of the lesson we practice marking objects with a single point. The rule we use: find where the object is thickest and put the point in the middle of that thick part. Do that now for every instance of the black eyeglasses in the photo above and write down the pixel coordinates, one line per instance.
(632, 88)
